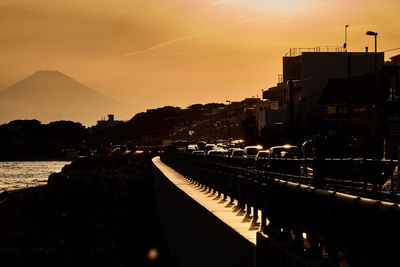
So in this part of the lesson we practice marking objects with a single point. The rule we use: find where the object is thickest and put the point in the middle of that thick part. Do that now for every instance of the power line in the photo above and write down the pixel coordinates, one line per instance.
(392, 49)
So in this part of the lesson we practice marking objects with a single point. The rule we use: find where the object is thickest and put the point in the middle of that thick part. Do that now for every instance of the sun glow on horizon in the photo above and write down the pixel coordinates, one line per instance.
(176, 52)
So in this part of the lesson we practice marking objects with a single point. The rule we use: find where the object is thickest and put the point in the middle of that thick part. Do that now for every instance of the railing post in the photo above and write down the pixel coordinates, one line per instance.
(248, 183)
(239, 184)
(232, 186)
(263, 197)
(225, 184)
(256, 196)
(218, 183)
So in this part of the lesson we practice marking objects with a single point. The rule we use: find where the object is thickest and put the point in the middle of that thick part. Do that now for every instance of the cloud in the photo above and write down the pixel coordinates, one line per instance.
(226, 49)
(193, 36)
(216, 3)
(219, 2)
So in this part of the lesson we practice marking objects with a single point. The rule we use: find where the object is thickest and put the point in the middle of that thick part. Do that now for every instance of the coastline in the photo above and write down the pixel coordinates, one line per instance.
(17, 159)
(97, 211)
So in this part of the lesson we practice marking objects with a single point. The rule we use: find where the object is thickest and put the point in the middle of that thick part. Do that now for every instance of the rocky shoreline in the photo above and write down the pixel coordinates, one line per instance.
(96, 212)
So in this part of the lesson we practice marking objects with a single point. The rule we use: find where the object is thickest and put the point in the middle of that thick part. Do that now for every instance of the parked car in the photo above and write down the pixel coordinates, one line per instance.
(238, 153)
(262, 158)
(191, 148)
(209, 147)
(217, 154)
(230, 150)
(198, 152)
(250, 153)
(285, 151)
(237, 157)
(278, 162)
(221, 145)
(201, 145)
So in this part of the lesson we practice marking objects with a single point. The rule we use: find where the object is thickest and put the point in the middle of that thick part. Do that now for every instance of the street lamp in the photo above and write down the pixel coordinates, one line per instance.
(375, 106)
(370, 33)
(345, 37)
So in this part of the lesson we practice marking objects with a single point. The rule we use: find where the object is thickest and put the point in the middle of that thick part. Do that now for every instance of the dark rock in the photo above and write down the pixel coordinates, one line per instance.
(96, 212)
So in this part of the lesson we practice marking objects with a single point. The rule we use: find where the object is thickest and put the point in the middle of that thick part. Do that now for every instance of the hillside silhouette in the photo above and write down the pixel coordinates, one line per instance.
(32, 140)
(197, 122)
(52, 96)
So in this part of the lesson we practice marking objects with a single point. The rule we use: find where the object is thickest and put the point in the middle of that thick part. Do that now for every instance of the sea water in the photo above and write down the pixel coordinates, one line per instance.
(22, 174)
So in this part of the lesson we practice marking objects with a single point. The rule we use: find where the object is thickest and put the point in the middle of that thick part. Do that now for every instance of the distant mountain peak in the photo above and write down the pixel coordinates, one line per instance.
(50, 95)
(48, 74)
(49, 71)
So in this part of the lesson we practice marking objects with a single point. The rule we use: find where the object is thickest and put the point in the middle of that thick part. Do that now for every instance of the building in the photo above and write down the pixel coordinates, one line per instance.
(102, 124)
(353, 111)
(306, 73)
(392, 109)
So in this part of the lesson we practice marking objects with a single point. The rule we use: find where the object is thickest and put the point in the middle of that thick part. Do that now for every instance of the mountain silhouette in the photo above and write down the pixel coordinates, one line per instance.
(51, 96)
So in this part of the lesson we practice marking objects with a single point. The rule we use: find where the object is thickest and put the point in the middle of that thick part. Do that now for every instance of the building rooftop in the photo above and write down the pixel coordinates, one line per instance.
(396, 57)
(293, 52)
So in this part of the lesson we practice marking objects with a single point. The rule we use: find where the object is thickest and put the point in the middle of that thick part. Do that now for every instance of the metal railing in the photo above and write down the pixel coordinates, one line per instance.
(317, 225)
(372, 178)
(293, 52)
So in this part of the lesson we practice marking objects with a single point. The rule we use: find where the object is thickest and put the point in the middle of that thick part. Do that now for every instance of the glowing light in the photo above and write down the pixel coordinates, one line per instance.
(152, 254)
(267, 5)
(287, 146)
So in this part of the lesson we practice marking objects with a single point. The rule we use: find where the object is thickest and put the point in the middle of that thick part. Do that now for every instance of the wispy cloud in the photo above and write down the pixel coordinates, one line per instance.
(219, 2)
(216, 3)
(188, 37)
(229, 49)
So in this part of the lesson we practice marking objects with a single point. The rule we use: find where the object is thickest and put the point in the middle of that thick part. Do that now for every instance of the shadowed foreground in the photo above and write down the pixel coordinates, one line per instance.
(97, 212)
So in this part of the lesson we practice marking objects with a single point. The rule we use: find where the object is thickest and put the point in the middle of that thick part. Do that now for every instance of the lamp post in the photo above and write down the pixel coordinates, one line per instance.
(229, 119)
(375, 106)
(345, 37)
(375, 34)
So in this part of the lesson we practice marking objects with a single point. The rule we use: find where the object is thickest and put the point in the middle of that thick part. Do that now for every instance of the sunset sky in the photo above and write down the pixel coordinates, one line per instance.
(151, 53)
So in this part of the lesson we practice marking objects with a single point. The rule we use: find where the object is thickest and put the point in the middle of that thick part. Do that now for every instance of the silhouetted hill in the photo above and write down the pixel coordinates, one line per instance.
(31, 140)
(51, 96)
(197, 122)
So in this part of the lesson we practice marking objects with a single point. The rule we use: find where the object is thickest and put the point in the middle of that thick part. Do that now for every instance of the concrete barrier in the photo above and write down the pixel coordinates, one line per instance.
(300, 225)
(202, 229)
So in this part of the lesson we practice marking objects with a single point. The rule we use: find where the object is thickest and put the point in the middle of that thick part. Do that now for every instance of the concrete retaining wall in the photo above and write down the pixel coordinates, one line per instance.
(196, 236)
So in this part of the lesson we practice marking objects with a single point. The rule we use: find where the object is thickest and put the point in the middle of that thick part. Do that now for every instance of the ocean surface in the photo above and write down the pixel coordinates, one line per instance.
(22, 174)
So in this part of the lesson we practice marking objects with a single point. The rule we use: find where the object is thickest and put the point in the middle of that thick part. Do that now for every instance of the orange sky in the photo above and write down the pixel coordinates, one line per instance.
(153, 53)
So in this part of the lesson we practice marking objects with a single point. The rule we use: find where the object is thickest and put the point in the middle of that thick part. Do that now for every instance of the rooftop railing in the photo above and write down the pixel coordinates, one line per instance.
(293, 52)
